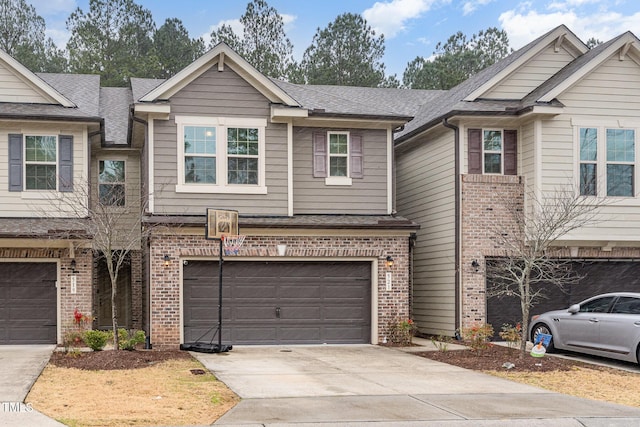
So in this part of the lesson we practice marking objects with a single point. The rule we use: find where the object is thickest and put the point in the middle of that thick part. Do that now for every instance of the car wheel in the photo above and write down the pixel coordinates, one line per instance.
(638, 354)
(542, 328)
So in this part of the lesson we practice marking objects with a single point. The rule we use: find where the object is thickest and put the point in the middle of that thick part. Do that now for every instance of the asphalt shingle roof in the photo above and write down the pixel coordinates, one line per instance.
(114, 107)
(141, 87)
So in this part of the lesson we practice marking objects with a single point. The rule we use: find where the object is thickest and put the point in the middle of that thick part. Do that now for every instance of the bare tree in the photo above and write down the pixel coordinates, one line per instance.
(112, 213)
(531, 255)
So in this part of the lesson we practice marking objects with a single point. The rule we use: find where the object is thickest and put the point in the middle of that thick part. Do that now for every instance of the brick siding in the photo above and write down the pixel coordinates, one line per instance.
(165, 281)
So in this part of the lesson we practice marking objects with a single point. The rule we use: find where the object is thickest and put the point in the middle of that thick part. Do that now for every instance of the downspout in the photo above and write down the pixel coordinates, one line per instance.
(457, 225)
(146, 273)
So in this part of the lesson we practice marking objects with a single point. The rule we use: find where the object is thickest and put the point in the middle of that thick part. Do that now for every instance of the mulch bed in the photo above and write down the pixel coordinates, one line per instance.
(111, 359)
(493, 358)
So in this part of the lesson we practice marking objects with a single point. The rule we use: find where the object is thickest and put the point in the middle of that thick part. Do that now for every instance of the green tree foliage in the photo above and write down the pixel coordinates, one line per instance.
(263, 43)
(457, 59)
(593, 42)
(113, 39)
(22, 35)
(347, 52)
(174, 48)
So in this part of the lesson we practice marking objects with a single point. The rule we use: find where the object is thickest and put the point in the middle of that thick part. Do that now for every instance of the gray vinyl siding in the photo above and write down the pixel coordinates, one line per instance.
(219, 94)
(132, 211)
(367, 195)
(426, 194)
(29, 204)
(608, 97)
(532, 74)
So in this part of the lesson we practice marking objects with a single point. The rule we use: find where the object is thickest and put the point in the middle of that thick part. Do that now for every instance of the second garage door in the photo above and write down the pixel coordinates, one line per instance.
(279, 302)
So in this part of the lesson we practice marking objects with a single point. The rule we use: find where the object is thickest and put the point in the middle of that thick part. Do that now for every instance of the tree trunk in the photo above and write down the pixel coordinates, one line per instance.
(114, 314)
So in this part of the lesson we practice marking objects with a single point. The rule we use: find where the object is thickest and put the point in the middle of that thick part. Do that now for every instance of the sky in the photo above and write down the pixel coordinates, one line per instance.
(411, 27)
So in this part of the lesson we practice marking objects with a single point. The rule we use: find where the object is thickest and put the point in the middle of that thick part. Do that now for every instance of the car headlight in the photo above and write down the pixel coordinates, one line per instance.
(535, 317)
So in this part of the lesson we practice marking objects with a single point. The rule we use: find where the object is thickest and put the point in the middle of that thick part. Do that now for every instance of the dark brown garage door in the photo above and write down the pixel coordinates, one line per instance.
(279, 302)
(28, 303)
(598, 277)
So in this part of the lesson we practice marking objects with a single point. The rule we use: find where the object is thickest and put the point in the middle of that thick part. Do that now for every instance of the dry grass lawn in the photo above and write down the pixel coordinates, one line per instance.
(166, 393)
(609, 385)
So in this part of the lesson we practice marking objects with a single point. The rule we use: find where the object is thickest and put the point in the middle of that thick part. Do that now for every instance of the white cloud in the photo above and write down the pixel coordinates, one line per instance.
(471, 6)
(586, 18)
(390, 18)
(59, 37)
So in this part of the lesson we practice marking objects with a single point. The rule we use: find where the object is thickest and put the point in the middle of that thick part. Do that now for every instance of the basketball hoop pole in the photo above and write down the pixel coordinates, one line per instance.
(220, 262)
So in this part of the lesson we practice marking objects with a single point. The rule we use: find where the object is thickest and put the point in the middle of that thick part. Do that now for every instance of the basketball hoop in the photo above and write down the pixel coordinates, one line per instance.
(232, 243)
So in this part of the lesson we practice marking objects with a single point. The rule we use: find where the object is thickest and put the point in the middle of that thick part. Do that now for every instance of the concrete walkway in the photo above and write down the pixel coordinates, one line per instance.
(372, 385)
(20, 367)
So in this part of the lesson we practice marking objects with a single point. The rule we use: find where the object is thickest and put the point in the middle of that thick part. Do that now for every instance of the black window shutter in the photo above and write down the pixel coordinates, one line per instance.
(65, 163)
(15, 162)
(510, 152)
(319, 155)
(357, 158)
(475, 151)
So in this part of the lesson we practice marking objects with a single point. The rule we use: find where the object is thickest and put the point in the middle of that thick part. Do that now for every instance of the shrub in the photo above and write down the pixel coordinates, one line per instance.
(401, 331)
(511, 334)
(72, 339)
(129, 339)
(441, 343)
(478, 336)
(96, 339)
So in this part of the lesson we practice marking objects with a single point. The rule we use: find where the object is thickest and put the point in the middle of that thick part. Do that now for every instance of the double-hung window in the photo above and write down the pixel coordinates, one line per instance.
(40, 162)
(492, 151)
(588, 161)
(221, 155)
(338, 157)
(621, 157)
(607, 160)
(111, 182)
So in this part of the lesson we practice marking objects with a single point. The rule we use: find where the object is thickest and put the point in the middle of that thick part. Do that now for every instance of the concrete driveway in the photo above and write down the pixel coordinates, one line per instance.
(362, 384)
(20, 367)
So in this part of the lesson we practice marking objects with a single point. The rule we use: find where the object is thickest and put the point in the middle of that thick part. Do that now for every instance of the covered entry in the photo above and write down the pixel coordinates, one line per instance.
(277, 302)
(28, 302)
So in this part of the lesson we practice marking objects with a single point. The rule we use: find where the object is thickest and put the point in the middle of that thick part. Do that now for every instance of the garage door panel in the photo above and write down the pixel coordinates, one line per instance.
(28, 301)
(291, 312)
(308, 294)
(353, 313)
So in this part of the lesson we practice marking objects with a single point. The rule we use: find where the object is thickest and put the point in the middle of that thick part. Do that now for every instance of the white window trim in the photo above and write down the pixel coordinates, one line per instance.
(221, 124)
(484, 171)
(38, 192)
(126, 186)
(601, 164)
(338, 180)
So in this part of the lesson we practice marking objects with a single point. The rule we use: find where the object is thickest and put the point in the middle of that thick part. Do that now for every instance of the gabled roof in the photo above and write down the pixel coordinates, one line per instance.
(462, 99)
(560, 35)
(582, 66)
(221, 55)
(34, 81)
(82, 90)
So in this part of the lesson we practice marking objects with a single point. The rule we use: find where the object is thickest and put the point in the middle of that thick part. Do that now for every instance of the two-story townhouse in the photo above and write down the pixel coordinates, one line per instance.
(47, 123)
(60, 136)
(310, 173)
(552, 114)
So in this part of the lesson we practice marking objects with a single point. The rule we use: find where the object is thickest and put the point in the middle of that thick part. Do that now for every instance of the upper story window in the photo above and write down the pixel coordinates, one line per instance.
(111, 182)
(616, 164)
(221, 155)
(40, 162)
(338, 157)
(492, 151)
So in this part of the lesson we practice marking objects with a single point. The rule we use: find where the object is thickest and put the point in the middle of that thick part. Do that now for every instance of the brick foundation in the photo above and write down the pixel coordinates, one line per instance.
(165, 281)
